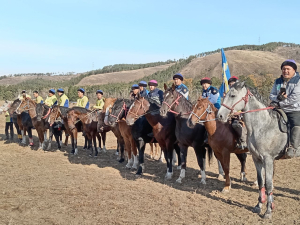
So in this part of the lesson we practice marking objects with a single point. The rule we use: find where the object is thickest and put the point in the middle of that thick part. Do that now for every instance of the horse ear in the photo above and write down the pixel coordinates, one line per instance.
(138, 95)
(165, 86)
(243, 84)
(173, 86)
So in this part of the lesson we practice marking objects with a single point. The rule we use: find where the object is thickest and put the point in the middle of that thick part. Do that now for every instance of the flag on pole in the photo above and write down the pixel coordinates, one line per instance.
(225, 75)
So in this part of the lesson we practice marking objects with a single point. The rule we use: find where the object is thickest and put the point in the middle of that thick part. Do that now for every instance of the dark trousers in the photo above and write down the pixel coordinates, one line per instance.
(294, 118)
(9, 125)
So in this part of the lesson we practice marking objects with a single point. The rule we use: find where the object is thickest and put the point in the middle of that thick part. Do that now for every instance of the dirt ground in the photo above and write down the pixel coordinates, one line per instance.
(55, 187)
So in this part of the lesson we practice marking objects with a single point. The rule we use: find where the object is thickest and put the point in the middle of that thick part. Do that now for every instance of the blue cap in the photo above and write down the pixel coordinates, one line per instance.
(52, 91)
(60, 90)
(99, 91)
(178, 75)
(143, 83)
(135, 86)
(81, 90)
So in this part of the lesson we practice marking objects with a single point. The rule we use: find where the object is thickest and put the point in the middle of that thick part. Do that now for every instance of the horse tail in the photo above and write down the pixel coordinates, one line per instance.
(209, 152)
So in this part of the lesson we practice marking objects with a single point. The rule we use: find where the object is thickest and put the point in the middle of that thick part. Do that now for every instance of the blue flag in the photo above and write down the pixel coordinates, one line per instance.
(225, 75)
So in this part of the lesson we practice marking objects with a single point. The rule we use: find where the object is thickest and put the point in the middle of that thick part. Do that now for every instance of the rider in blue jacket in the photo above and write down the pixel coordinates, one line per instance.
(143, 90)
(155, 94)
(179, 86)
(210, 92)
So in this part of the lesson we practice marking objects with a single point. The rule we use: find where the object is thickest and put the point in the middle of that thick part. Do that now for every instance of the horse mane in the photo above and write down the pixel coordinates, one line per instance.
(80, 109)
(152, 102)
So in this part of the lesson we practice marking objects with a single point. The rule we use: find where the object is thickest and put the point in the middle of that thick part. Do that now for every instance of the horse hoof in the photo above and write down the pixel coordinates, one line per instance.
(226, 190)
(168, 176)
(116, 153)
(267, 215)
(256, 210)
(179, 180)
(244, 179)
(139, 172)
(121, 160)
(202, 182)
(134, 167)
(128, 167)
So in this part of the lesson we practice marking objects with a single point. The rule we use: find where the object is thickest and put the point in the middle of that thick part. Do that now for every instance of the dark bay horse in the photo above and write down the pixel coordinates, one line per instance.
(221, 137)
(117, 116)
(163, 130)
(265, 140)
(22, 122)
(177, 104)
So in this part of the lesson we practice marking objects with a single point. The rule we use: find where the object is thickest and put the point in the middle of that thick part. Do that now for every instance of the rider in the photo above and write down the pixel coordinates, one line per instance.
(210, 92)
(63, 99)
(155, 94)
(38, 98)
(100, 100)
(286, 95)
(24, 95)
(134, 91)
(237, 121)
(82, 101)
(179, 86)
(143, 90)
(51, 99)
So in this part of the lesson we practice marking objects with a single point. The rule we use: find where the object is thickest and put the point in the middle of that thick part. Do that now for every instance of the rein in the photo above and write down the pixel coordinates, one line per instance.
(207, 110)
(246, 100)
(44, 117)
(176, 101)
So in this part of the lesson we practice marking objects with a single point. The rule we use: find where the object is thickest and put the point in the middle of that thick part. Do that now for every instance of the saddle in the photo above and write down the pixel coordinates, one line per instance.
(282, 120)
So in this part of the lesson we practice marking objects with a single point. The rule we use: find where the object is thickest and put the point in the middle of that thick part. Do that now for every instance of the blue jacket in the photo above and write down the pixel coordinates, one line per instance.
(292, 103)
(144, 93)
(182, 89)
(156, 95)
(213, 96)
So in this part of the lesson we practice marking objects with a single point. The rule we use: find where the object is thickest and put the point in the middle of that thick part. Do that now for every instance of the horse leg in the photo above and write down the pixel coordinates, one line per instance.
(134, 152)
(75, 142)
(103, 135)
(122, 150)
(183, 155)
(57, 138)
(242, 158)
(41, 139)
(23, 133)
(169, 158)
(224, 158)
(141, 147)
(118, 148)
(201, 157)
(128, 150)
(269, 170)
(66, 138)
(85, 147)
(151, 150)
(99, 140)
(260, 180)
(156, 151)
(95, 144)
(50, 137)
(221, 171)
(177, 151)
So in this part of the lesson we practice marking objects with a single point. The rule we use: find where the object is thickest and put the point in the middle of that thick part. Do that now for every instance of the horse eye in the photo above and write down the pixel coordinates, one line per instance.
(232, 96)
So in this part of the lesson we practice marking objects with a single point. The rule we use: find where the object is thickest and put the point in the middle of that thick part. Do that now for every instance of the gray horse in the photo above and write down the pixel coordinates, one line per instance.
(265, 140)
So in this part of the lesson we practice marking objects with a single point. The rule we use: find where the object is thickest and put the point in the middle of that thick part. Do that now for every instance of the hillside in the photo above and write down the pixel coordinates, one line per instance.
(241, 63)
(123, 76)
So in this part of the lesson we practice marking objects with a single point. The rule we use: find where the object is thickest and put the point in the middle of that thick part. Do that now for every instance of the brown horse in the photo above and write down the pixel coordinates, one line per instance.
(221, 137)
(163, 130)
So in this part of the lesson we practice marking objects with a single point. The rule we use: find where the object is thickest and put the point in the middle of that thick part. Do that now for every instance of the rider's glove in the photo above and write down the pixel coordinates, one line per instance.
(275, 104)
(281, 97)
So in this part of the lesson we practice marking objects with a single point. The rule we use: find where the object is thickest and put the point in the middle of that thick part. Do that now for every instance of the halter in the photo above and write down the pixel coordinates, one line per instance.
(44, 117)
(56, 115)
(124, 107)
(174, 102)
(246, 100)
(141, 106)
(208, 110)
(24, 107)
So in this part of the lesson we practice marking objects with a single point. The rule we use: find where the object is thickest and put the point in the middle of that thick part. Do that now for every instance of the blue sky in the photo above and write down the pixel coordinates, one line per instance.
(71, 35)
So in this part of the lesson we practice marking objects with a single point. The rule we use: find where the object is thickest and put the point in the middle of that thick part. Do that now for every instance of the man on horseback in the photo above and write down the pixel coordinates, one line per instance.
(51, 99)
(24, 95)
(63, 99)
(210, 92)
(100, 100)
(285, 94)
(143, 90)
(38, 98)
(134, 91)
(155, 94)
(237, 122)
(179, 86)
(82, 101)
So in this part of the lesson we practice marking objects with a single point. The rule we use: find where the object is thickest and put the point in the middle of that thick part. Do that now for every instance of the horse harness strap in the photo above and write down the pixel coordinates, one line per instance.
(124, 107)
(175, 102)
(44, 117)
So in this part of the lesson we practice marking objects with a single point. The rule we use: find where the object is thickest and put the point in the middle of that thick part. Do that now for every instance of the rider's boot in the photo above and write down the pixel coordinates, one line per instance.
(293, 150)
(242, 134)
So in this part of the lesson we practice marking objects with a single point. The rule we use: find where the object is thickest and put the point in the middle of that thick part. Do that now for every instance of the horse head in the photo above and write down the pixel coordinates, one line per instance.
(54, 114)
(138, 108)
(234, 101)
(203, 111)
(118, 111)
(27, 105)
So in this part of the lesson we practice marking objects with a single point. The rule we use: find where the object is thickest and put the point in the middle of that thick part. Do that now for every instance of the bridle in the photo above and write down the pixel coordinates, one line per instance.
(246, 100)
(208, 110)
(176, 102)
(124, 107)
(135, 114)
(23, 108)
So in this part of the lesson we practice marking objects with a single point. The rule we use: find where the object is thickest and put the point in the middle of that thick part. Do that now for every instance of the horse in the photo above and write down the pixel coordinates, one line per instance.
(265, 139)
(177, 104)
(163, 130)
(117, 116)
(89, 120)
(22, 122)
(102, 124)
(221, 137)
